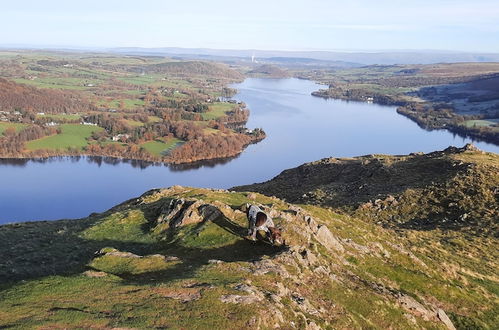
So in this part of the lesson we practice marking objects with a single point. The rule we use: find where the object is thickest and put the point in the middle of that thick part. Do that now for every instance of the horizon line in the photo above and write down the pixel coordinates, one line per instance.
(111, 48)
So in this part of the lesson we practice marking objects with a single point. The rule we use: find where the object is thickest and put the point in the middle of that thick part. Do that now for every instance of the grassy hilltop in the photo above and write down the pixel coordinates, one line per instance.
(178, 257)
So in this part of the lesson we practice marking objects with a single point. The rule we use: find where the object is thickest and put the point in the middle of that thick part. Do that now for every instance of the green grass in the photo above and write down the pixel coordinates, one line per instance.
(160, 148)
(128, 103)
(72, 136)
(5, 125)
(480, 123)
(58, 83)
(141, 80)
(154, 119)
(217, 110)
(117, 265)
(123, 227)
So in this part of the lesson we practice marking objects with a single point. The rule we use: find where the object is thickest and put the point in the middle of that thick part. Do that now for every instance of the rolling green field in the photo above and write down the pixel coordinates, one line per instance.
(159, 148)
(217, 110)
(4, 126)
(72, 136)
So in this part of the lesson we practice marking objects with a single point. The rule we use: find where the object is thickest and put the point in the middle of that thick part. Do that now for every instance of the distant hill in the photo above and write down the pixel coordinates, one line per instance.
(304, 62)
(268, 71)
(195, 68)
(360, 57)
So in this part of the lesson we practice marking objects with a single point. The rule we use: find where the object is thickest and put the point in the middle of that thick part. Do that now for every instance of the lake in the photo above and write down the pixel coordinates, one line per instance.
(300, 128)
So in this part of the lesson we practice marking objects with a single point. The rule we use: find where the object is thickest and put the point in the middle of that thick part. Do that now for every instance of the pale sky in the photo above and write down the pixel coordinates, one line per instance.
(471, 25)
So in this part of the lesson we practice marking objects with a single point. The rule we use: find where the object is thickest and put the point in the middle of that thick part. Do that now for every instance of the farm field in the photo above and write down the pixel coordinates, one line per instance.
(17, 126)
(160, 148)
(217, 110)
(72, 136)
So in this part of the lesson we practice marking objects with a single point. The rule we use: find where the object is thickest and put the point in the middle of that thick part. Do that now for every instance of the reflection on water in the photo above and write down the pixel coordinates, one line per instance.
(209, 163)
(100, 160)
(300, 128)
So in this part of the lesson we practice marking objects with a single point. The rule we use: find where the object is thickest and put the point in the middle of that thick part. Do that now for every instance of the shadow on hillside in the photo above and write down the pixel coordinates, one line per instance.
(38, 249)
(194, 259)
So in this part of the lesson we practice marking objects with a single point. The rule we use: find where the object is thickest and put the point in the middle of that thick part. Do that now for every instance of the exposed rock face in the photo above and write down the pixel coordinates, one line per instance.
(180, 212)
(445, 319)
(414, 307)
(253, 295)
(325, 236)
(237, 299)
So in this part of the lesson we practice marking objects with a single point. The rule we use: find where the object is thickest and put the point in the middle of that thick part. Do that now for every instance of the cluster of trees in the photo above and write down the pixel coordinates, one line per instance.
(359, 94)
(189, 105)
(214, 146)
(209, 147)
(120, 151)
(238, 115)
(438, 116)
(47, 119)
(15, 96)
(111, 123)
(179, 129)
(12, 143)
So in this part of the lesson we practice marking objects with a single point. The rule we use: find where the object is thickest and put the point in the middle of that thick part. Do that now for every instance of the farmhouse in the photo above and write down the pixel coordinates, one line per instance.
(120, 137)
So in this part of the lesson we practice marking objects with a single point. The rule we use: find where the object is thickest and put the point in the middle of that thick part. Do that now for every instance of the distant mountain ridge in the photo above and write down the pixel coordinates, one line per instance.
(361, 57)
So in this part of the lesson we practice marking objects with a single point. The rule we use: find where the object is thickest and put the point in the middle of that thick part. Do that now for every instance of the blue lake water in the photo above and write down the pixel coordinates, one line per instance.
(300, 128)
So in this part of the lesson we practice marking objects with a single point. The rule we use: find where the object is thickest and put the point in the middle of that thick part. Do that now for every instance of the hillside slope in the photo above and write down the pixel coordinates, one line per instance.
(178, 258)
(456, 188)
(14, 96)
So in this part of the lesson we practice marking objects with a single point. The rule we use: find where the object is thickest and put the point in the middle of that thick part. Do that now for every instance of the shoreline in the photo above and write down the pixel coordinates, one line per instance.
(194, 163)
(462, 131)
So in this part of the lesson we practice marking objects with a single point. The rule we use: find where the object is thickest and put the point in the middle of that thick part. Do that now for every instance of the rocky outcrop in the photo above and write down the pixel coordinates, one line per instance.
(253, 295)
(181, 212)
(325, 236)
(455, 188)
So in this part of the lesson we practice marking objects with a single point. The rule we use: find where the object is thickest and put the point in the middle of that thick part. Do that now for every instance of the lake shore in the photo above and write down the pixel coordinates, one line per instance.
(299, 128)
(452, 97)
